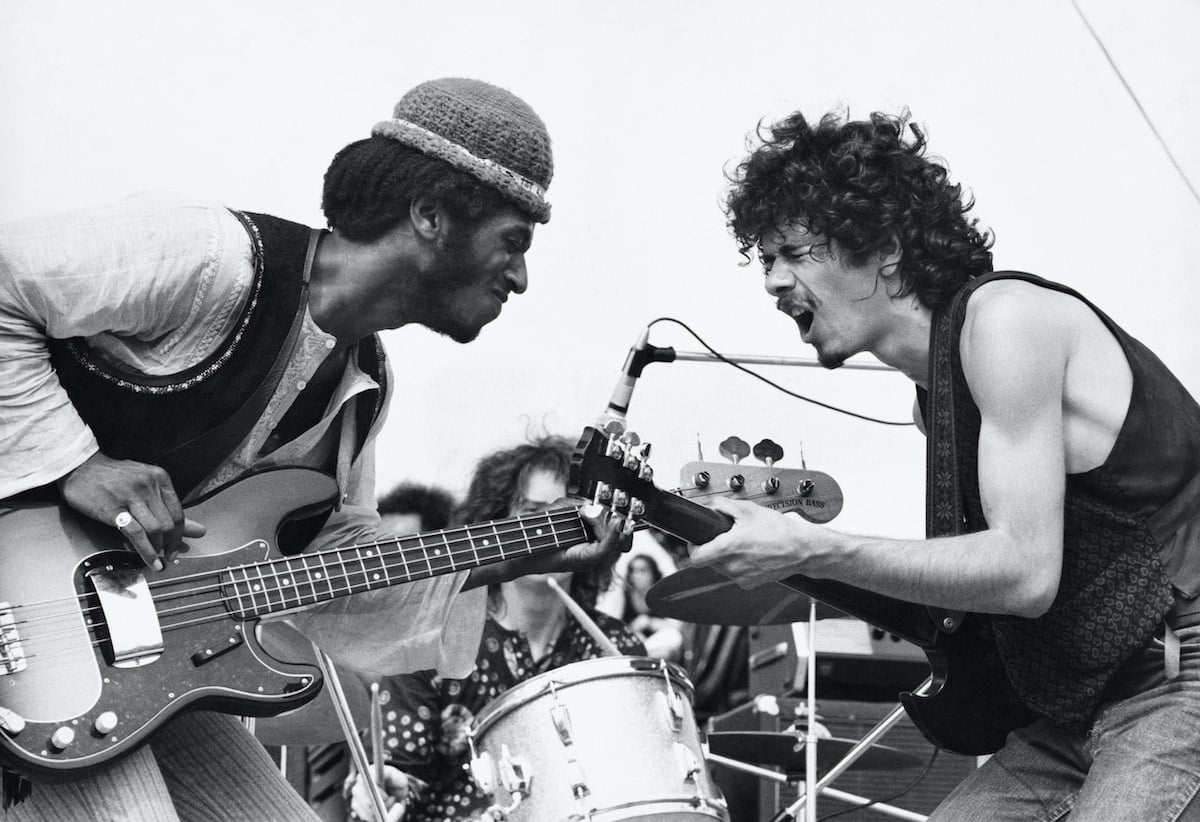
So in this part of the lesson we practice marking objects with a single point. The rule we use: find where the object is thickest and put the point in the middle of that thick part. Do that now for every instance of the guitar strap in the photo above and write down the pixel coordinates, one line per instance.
(944, 515)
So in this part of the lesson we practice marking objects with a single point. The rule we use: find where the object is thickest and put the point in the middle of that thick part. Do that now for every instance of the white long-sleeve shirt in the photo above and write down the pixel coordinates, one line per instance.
(155, 283)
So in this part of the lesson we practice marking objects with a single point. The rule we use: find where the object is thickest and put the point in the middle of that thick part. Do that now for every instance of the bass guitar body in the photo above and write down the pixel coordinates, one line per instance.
(98, 651)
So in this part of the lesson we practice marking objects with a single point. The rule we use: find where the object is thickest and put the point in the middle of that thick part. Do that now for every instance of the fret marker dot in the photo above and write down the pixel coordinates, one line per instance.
(538, 532)
(376, 576)
(286, 581)
(256, 587)
(487, 542)
(317, 575)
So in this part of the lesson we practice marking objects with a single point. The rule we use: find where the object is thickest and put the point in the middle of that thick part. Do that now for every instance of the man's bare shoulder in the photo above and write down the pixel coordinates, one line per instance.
(1018, 304)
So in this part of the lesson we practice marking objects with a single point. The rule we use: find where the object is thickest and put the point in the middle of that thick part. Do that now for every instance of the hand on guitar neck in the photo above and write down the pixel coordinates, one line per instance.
(136, 498)
(612, 538)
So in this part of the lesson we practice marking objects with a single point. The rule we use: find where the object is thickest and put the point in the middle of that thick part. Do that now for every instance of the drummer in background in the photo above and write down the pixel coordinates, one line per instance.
(528, 632)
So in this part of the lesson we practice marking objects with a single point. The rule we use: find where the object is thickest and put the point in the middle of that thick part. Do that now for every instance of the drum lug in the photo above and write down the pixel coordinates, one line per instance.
(514, 773)
(674, 702)
(688, 762)
(483, 771)
(561, 718)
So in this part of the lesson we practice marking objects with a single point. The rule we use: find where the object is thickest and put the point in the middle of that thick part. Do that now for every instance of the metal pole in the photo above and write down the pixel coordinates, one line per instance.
(761, 359)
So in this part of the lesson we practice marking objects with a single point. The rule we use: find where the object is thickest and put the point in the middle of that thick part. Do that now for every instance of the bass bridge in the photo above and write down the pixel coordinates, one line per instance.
(12, 656)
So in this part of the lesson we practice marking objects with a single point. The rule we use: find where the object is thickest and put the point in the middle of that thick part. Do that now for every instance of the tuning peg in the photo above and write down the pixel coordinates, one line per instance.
(645, 472)
(630, 439)
(603, 494)
(614, 428)
(734, 449)
(768, 451)
(644, 451)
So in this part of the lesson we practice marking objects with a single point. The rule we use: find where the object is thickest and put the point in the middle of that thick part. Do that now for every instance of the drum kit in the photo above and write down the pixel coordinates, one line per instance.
(614, 738)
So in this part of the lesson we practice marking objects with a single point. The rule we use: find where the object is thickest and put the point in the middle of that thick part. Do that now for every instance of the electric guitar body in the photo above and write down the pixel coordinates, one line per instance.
(83, 681)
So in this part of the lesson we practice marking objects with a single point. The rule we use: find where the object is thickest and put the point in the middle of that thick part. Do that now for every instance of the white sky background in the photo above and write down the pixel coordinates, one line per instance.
(646, 102)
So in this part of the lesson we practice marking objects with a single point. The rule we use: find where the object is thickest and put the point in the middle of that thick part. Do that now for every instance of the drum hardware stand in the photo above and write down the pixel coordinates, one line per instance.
(341, 708)
(833, 793)
(861, 747)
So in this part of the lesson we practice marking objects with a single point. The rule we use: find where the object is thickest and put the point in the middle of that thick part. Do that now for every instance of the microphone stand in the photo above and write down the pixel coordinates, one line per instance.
(759, 359)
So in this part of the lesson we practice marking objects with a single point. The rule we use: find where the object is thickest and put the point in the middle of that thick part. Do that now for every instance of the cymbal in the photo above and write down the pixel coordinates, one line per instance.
(786, 750)
(702, 596)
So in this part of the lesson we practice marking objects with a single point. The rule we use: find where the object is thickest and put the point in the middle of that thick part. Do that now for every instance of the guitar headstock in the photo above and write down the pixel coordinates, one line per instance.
(813, 495)
(614, 472)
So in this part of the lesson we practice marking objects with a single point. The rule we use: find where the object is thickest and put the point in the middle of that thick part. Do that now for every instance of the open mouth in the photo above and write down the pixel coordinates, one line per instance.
(804, 320)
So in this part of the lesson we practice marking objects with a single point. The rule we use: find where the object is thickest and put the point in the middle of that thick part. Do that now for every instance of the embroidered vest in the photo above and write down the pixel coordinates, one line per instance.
(189, 422)
(1114, 589)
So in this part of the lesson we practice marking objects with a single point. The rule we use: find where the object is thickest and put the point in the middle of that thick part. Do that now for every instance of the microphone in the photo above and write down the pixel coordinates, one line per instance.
(612, 419)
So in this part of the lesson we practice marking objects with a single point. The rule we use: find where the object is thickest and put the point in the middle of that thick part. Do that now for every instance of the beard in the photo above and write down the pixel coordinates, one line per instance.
(831, 359)
(442, 298)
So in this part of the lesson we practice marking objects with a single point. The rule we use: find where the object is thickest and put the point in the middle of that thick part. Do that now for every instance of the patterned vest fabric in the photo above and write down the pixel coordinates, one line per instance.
(189, 422)
(1114, 591)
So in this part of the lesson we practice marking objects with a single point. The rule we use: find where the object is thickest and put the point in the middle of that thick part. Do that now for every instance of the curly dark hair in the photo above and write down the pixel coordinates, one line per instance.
(432, 504)
(858, 183)
(370, 184)
(496, 488)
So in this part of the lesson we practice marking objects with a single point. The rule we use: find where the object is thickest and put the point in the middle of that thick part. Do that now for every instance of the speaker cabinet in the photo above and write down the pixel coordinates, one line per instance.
(752, 799)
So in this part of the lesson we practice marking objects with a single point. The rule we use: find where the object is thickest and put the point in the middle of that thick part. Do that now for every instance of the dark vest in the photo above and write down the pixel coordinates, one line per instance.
(190, 422)
(1114, 590)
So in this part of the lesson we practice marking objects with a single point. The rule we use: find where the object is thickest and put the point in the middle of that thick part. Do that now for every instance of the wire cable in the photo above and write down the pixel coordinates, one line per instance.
(1128, 88)
(771, 383)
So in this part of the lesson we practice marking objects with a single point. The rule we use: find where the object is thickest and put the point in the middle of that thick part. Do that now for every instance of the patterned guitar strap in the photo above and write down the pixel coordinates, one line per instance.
(944, 514)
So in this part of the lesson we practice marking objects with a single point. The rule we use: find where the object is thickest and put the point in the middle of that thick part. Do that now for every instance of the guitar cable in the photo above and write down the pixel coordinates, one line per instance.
(718, 355)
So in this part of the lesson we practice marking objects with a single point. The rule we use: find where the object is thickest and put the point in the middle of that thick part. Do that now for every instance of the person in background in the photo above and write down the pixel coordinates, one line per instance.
(410, 508)
(643, 565)
(529, 631)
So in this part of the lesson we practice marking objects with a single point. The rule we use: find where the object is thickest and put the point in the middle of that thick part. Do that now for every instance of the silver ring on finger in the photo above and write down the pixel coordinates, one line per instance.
(123, 520)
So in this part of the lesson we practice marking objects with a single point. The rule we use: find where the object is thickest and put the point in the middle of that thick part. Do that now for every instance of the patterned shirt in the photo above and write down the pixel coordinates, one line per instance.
(426, 717)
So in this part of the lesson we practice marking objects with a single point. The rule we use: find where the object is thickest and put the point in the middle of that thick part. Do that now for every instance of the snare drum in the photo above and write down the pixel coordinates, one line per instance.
(605, 739)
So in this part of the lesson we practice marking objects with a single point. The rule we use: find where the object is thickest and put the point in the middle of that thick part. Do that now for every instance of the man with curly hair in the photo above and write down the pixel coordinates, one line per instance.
(156, 349)
(1063, 478)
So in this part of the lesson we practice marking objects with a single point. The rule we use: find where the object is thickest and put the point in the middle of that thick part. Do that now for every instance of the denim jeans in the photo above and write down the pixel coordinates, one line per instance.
(199, 766)
(1139, 762)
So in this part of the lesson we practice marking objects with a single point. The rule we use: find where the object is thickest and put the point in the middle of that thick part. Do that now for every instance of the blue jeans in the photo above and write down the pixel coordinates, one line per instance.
(1139, 762)
(199, 766)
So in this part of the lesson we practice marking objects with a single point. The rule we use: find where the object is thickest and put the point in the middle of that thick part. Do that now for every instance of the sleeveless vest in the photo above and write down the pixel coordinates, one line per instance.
(189, 422)
(1116, 587)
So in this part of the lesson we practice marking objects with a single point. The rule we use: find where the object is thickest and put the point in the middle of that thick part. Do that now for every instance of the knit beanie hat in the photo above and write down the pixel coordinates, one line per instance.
(481, 129)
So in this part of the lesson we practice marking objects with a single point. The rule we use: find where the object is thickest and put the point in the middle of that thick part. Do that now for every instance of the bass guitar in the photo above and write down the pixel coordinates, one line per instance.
(98, 651)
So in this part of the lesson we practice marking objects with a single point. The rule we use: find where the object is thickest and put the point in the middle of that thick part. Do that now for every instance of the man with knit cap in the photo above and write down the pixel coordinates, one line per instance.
(158, 348)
